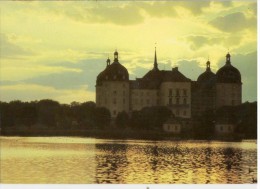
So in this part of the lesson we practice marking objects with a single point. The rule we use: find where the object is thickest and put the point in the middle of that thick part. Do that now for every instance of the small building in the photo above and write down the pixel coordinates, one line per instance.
(172, 125)
(224, 128)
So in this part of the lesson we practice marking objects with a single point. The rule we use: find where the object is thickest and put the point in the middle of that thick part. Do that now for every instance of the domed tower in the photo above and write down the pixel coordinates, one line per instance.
(206, 92)
(228, 85)
(112, 87)
(207, 78)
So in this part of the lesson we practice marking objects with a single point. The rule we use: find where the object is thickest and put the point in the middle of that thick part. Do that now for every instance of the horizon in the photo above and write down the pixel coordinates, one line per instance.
(55, 50)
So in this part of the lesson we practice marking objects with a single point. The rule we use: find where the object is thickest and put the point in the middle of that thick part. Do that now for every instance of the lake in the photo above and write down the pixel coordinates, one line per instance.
(88, 160)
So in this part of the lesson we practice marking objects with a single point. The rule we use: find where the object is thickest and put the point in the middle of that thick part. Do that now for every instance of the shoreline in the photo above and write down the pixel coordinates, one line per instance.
(118, 134)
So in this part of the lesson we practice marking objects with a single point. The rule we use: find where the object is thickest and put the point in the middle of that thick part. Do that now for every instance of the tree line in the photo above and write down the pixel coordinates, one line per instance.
(244, 116)
(50, 114)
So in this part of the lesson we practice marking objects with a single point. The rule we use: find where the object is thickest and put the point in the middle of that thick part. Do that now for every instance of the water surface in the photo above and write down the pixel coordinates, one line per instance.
(88, 160)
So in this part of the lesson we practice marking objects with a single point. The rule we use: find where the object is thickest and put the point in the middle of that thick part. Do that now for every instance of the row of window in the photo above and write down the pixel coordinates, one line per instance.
(116, 92)
(142, 93)
(123, 85)
(177, 92)
(115, 101)
(144, 101)
(180, 113)
(175, 128)
(177, 101)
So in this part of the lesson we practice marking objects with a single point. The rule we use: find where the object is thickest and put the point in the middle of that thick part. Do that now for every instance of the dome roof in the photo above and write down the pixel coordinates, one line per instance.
(113, 72)
(208, 77)
(228, 73)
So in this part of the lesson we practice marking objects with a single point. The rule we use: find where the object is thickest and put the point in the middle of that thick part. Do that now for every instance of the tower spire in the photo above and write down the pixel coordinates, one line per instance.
(228, 58)
(208, 65)
(108, 61)
(116, 56)
(155, 64)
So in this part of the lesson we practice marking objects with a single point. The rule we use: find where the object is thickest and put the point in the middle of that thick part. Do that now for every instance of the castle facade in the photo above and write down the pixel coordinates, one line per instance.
(169, 88)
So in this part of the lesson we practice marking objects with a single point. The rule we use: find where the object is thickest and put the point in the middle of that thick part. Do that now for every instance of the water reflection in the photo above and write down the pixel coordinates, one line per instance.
(171, 163)
(111, 161)
(83, 160)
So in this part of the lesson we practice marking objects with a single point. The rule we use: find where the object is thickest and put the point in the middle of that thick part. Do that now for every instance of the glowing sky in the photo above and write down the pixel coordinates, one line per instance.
(56, 49)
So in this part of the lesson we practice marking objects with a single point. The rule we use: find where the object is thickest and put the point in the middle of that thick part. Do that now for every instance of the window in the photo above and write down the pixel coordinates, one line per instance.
(123, 101)
(185, 92)
(105, 101)
(114, 101)
(176, 128)
(114, 92)
(184, 113)
(170, 101)
(221, 128)
(123, 85)
(147, 93)
(177, 92)
(114, 112)
(184, 101)
(177, 101)
(123, 77)
(114, 76)
(141, 101)
(106, 77)
(123, 93)
(147, 101)
(177, 112)
(170, 92)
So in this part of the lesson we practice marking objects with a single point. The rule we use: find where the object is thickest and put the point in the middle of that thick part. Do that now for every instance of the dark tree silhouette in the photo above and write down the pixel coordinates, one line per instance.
(122, 119)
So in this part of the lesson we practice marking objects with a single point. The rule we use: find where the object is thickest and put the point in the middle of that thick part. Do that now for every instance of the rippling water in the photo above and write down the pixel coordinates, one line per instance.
(88, 160)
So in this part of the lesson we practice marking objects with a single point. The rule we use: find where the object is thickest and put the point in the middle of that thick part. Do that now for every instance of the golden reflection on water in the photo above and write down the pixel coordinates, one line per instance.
(88, 160)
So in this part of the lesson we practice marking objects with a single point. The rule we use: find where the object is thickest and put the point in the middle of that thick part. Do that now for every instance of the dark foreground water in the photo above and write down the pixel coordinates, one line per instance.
(89, 160)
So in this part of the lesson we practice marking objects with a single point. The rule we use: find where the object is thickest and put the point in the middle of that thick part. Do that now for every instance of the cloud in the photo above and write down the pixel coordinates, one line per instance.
(30, 92)
(197, 42)
(159, 9)
(234, 22)
(11, 50)
(196, 8)
(125, 13)
(89, 69)
(23, 71)
(190, 68)
(118, 13)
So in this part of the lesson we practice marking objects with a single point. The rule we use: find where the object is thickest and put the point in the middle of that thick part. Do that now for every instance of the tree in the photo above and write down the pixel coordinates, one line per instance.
(48, 112)
(122, 119)
(150, 117)
(102, 117)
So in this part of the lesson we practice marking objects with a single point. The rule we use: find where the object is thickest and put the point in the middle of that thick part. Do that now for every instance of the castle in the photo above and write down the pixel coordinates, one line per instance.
(169, 88)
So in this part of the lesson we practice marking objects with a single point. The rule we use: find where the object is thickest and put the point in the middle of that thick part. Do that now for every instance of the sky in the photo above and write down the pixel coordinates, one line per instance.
(56, 49)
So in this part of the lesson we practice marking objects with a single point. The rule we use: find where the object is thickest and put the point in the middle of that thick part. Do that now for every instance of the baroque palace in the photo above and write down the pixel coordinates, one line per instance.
(169, 88)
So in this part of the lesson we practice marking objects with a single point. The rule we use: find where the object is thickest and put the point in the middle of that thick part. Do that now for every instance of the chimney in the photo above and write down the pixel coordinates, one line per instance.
(175, 69)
